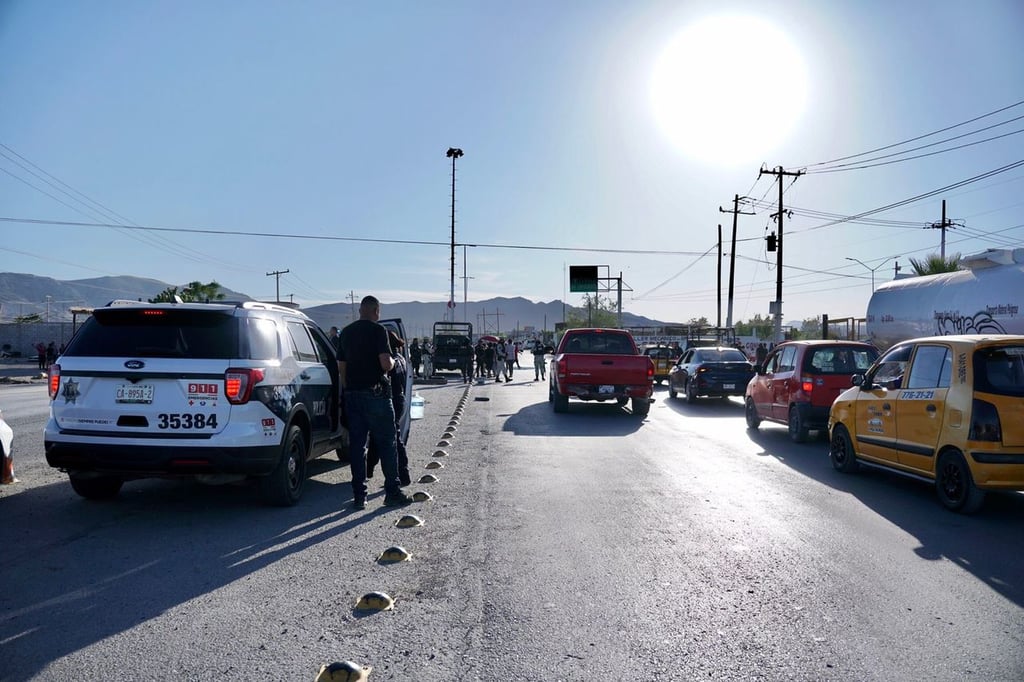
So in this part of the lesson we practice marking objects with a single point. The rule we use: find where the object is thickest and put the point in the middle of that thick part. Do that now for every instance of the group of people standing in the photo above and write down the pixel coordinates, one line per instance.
(47, 354)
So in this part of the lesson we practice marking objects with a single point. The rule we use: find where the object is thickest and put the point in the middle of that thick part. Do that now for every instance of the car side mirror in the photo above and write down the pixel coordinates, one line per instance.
(858, 380)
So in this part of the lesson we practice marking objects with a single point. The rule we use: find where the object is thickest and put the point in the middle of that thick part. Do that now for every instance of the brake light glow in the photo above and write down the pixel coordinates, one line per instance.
(238, 384)
(156, 313)
(54, 382)
(807, 386)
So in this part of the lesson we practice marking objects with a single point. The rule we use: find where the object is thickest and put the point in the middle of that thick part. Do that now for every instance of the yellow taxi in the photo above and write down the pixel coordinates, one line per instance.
(945, 409)
(663, 358)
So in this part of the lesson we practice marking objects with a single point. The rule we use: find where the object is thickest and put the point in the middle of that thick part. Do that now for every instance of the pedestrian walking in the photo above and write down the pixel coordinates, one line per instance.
(516, 353)
(490, 359)
(364, 361)
(481, 358)
(41, 354)
(415, 356)
(510, 358)
(399, 374)
(761, 353)
(499, 360)
(538, 360)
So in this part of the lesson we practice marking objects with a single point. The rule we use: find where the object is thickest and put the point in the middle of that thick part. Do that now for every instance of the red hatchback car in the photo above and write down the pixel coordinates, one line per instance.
(799, 380)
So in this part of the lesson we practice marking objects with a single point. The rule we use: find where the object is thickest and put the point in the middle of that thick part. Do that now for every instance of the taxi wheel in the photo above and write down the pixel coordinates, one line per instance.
(750, 413)
(283, 486)
(841, 452)
(797, 429)
(955, 485)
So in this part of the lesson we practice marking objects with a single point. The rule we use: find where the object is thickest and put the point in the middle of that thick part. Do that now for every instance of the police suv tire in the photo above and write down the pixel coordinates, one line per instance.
(282, 487)
(840, 451)
(641, 406)
(955, 485)
(96, 488)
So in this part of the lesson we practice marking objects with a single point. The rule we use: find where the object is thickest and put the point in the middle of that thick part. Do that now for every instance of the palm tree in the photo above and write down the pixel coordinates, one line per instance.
(934, 264)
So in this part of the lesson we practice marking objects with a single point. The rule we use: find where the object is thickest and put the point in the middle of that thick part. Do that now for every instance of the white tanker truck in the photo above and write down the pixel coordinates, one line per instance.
(985, 298)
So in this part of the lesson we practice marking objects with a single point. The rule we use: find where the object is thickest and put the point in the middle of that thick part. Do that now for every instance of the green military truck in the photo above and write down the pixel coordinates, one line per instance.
(453, 347)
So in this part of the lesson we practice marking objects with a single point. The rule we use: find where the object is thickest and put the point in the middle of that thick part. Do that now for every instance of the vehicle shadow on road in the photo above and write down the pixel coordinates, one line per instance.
(975, 543)
(103, 568)
(582, 419)
(704, 407)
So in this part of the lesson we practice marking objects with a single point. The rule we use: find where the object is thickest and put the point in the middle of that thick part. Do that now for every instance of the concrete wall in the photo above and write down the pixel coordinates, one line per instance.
(23, 337)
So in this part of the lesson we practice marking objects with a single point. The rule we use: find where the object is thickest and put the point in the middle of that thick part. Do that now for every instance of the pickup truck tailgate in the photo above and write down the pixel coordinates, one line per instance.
(586, 368)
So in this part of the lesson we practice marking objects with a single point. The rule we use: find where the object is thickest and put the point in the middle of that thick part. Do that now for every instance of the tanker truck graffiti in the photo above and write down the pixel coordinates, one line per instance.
(949, 322)
(983, 298)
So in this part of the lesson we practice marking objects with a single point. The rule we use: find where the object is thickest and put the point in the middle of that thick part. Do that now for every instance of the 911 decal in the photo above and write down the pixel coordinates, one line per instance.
(186, 420)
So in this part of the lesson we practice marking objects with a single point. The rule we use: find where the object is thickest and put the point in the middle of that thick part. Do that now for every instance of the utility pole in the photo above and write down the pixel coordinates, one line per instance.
(777, 304)
(732, 253)
(277, 275)
(942, 226)
(718, 283)
(465, 285)
(453, 153)
(619, 303)
(352, 302)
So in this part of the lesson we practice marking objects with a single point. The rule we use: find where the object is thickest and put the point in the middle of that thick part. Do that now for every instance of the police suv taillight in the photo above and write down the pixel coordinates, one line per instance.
(238, 384)
(54, 382)
(985, 423)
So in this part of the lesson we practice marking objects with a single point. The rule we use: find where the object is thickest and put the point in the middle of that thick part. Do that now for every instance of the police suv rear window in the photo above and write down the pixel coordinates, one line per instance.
(156, 333)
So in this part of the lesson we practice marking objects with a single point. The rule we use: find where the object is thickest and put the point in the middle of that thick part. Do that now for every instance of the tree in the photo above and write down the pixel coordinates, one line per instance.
(934, 264)
(597, 311)
(761, 327)
(810, 328)
(193, 291)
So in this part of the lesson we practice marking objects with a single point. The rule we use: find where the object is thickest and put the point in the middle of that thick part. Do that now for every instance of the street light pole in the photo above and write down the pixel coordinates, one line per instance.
(872, 269)
(453, 153)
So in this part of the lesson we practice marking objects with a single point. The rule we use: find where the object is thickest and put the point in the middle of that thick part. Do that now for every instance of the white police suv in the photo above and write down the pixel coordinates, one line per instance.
(217, 391)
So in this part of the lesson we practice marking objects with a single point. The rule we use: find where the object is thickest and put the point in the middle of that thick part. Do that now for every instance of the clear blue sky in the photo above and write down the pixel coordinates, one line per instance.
(328, 120)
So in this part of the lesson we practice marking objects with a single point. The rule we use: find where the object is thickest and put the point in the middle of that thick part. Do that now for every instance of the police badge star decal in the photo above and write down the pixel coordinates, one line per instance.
(70, 391)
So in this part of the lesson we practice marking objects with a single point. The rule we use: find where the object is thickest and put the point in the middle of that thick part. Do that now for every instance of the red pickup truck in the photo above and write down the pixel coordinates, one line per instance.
(600, 364)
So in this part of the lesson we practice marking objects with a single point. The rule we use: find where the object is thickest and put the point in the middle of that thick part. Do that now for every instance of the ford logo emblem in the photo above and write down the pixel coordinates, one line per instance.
(134, 364)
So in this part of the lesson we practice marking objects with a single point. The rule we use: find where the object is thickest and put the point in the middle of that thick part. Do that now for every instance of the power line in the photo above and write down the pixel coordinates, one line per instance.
(846, 167)
(371, 240)
(914, 139)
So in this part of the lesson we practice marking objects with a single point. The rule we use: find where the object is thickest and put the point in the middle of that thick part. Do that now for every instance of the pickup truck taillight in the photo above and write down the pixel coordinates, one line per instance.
(238, 384)
(562, 367)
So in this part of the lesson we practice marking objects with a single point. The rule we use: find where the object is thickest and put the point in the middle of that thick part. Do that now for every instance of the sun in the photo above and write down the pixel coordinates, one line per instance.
(729, 89)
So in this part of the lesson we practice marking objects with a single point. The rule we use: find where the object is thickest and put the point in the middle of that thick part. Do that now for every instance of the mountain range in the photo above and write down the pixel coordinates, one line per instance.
(24, 294)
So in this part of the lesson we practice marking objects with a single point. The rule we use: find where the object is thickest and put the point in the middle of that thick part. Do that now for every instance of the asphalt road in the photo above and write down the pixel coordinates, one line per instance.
(589, 545)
